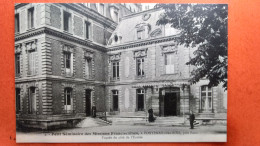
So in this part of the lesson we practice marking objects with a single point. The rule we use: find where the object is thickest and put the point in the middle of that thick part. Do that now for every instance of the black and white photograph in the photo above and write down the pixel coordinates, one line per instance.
(121, 72)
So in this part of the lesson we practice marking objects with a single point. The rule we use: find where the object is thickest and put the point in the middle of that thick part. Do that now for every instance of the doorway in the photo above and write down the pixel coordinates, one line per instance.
(170, 104)
(140, 100)
(88, 102)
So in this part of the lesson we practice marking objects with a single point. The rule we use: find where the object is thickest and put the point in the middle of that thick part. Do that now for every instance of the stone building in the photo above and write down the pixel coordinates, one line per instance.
(60, 60)
(71, 57)
(148, 70)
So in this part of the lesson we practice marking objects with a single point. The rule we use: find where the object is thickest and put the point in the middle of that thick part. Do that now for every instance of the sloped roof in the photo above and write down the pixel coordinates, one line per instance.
(127, 28)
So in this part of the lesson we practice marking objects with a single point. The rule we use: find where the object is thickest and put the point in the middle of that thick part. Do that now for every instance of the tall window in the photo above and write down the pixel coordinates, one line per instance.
(115, 70)
(17, 65)
(88, 68)
(68, 63)
(116, 16)
(17, 23)
(32, 62)
(140, 66)
(115, 100)
(87, 29)
(206, 98)
(18, 99)
(32, 100)
(169, 63)
(102, 9)
(140, 99)
(31, 18)
(66, 21)
(68, 100)
(140, 34)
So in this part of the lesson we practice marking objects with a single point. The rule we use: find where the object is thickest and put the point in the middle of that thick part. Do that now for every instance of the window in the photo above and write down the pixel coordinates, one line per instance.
(68, 100)
(68, 63)
(17, 65)
(88, 68)
(206, 99)
(101, 9)
(66, 21)
(32, 100)
(17, 23)
(169, 63)
(115, 100)
(32, 62)
(116, 16)
(30, 18)
(140, 66)
(18, 99)
(87, 29)
(140, 34)
(140, 99)
(115, 70)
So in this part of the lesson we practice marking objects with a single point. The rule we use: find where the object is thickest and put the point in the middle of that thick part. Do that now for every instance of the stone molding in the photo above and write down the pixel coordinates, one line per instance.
(140, 53)
(115, 57)
(49, 31)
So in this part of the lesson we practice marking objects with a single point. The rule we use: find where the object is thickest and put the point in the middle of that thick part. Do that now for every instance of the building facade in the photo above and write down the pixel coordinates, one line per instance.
(72, 57)
(148, 70)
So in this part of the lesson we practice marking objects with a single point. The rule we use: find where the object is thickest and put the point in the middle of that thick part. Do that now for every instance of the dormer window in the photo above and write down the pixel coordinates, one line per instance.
(140, 34)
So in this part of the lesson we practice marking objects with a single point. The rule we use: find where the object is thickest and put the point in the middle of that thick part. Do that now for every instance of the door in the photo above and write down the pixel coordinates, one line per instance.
(140, 99)
(88, 102)
(170, 104)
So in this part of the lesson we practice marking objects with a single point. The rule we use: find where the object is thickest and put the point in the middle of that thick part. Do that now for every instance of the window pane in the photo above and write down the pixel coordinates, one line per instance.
(203, 88)
(117, 70)
(66, 19)
(17, 93)
(114, 70)
(17, 64)
(67, 60)
(17, 23)
(87, 25)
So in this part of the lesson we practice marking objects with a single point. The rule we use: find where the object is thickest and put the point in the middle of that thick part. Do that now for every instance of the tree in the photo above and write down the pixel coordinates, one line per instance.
(203, 26)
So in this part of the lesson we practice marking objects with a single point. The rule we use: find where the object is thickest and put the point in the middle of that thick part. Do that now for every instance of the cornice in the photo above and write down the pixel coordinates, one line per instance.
(19, 5)
(46, 30)
(142, 43)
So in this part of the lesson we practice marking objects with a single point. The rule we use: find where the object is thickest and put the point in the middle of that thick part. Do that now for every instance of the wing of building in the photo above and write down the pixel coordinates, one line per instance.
(73, 58)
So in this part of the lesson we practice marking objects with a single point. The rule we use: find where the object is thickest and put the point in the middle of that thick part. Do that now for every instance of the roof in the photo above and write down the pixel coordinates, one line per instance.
(127, 28)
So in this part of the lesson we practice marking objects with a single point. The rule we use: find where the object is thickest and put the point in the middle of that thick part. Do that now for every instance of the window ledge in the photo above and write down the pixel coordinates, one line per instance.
(31, 75)
(169, 74)
(139, 77)
(67, 32)
(29, 29)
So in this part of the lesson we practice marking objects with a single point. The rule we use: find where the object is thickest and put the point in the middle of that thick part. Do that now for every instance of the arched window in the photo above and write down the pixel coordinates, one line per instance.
(206, 102)
(68, 100)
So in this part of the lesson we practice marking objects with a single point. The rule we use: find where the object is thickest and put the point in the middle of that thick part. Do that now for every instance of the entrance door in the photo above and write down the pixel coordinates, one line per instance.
(88, 102)
(170, 104)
